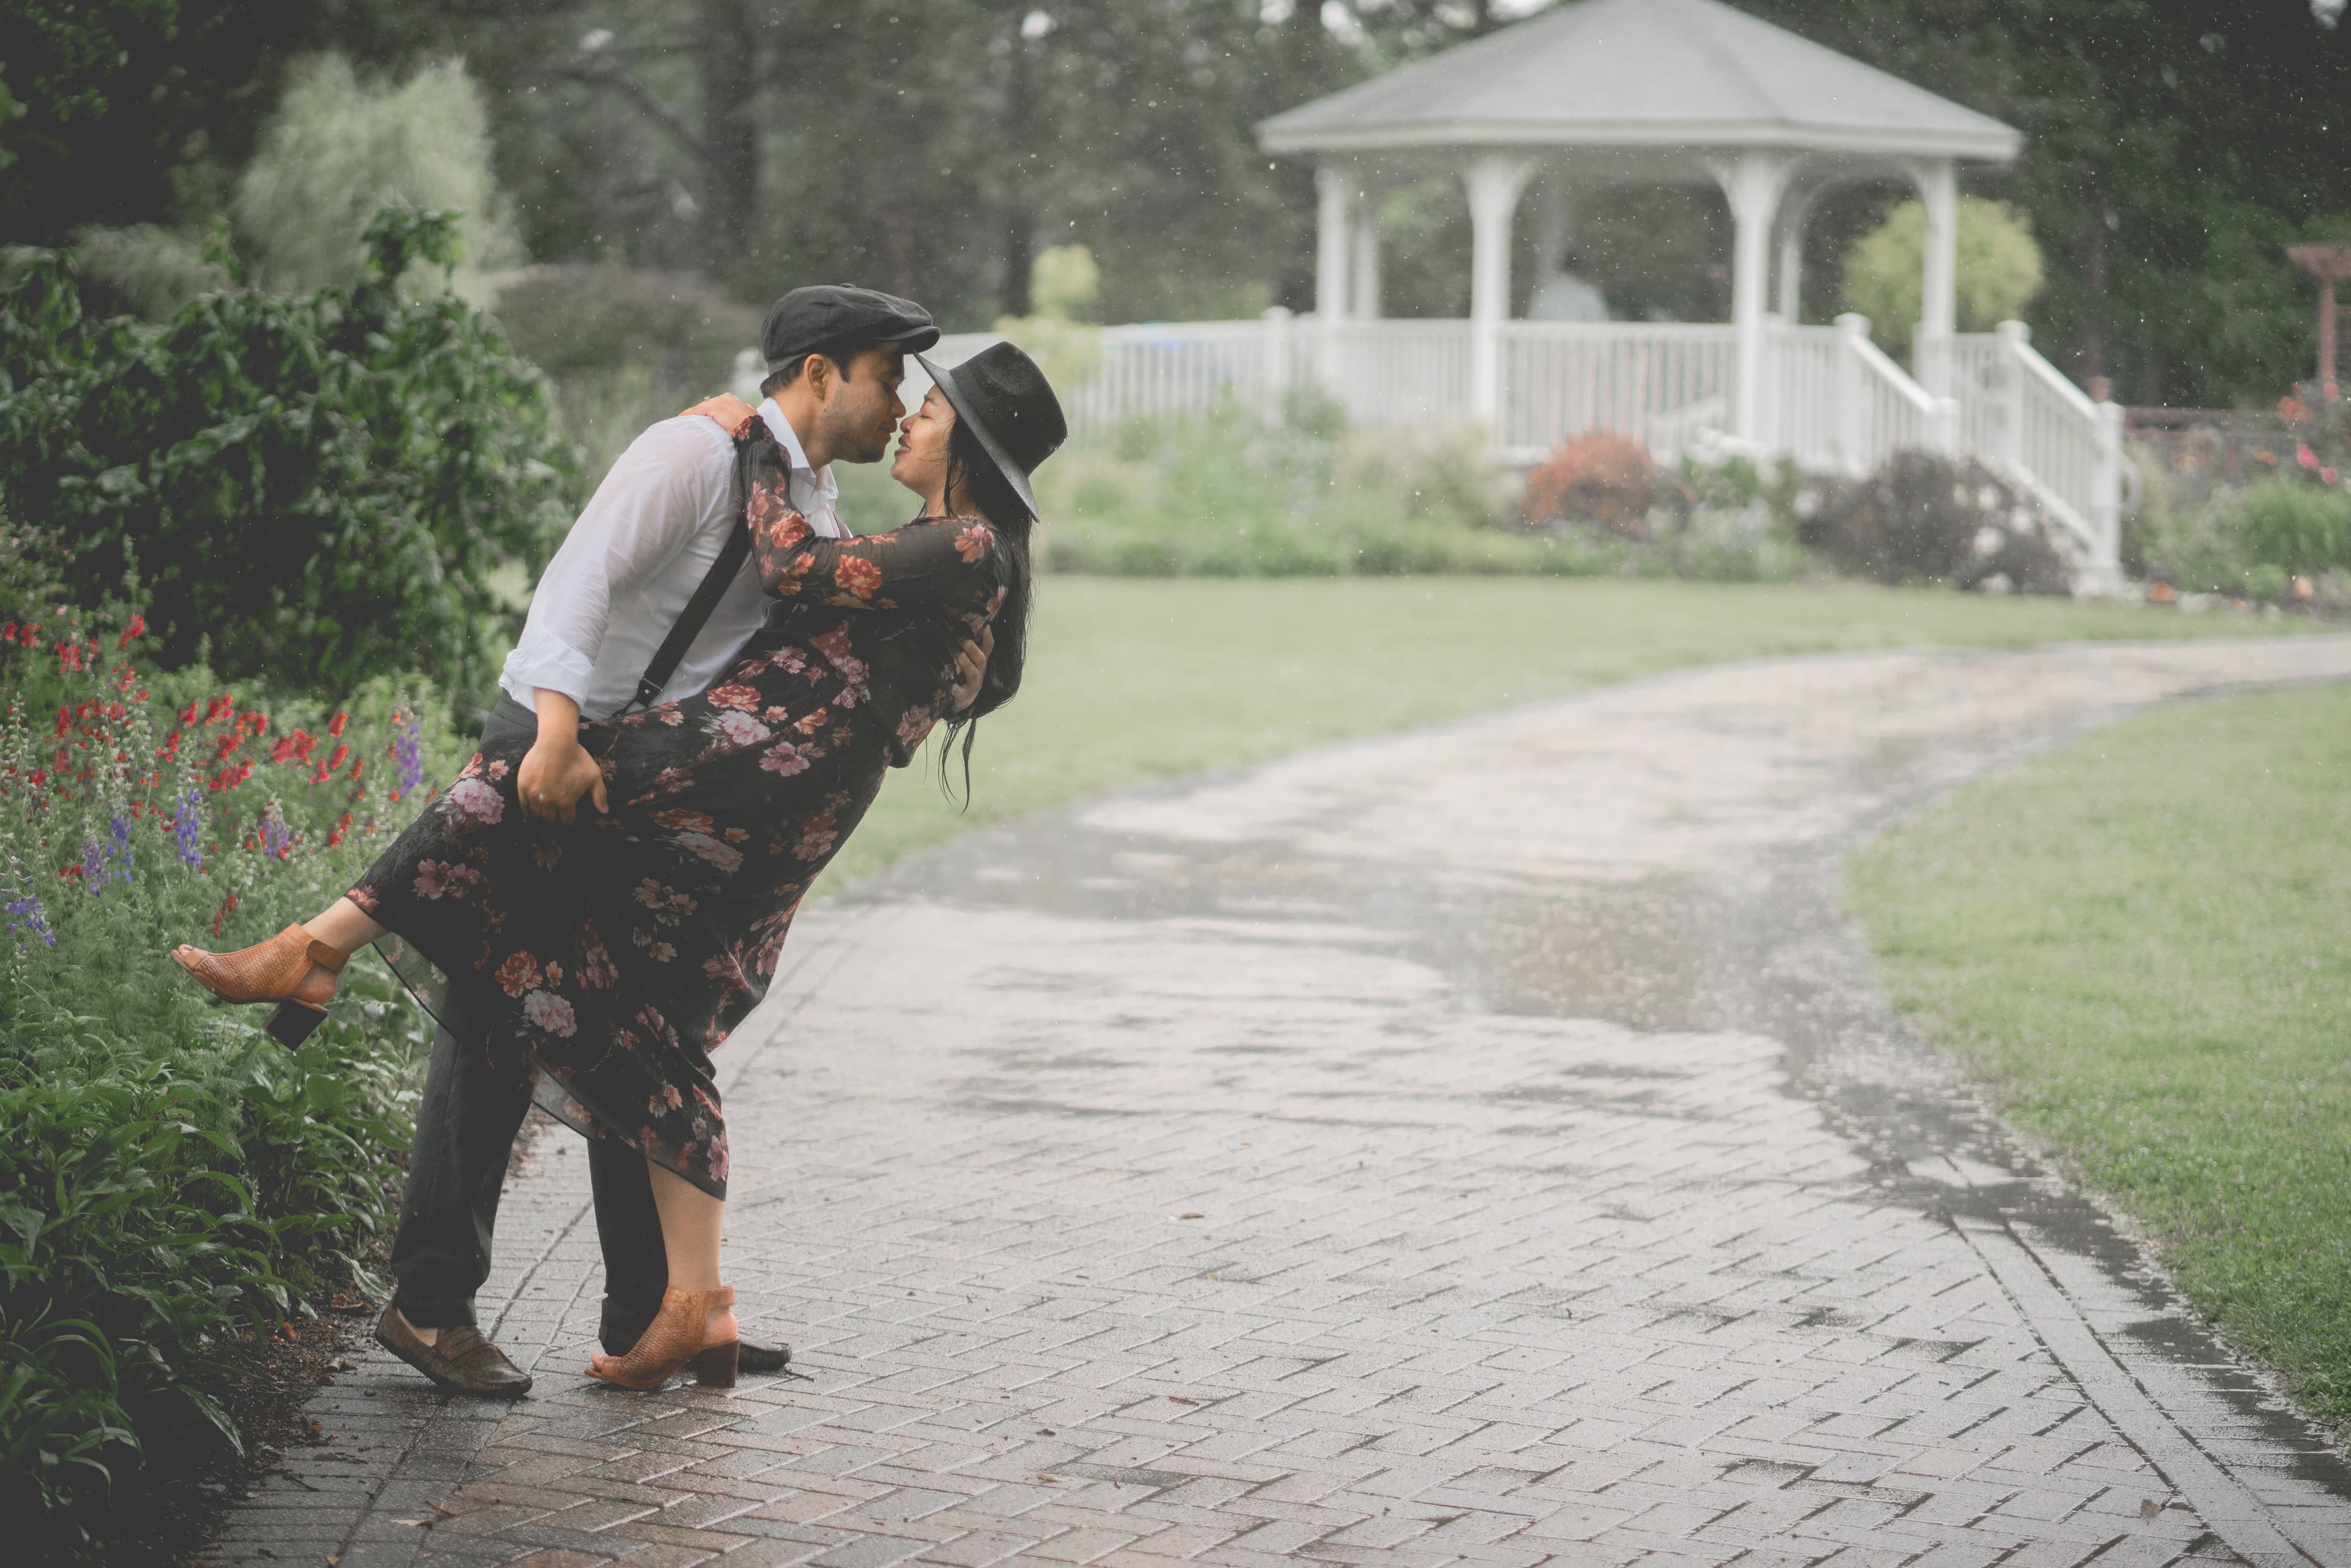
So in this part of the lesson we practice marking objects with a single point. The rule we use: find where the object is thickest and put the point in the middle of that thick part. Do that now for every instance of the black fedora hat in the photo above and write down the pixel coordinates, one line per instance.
(1010, 407)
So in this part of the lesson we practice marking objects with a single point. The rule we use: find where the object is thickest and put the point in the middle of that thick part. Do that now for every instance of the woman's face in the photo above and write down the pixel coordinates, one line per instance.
(920, 463)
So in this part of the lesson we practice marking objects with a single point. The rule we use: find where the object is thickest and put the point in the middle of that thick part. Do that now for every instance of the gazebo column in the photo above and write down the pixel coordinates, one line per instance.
(1366, 290)
(1334, 198)
(1751, 184)
(1334, 192)
(1793, 215)
(1494, 184)
(1938, 298)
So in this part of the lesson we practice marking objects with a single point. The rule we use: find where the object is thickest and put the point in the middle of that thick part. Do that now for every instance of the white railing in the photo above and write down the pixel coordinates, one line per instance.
(1880, 410)
(2024, 415)
(1644, 379)
(1390, 372)
(1831, 399)
(1802, 387)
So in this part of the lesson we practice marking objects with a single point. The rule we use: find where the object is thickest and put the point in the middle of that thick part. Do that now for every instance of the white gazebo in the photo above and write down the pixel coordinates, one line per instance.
(1613, 92)
(1600, 93)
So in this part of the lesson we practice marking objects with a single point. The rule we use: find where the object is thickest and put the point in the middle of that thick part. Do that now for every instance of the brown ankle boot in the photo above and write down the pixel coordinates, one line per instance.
(279, 970)
(673, 1338)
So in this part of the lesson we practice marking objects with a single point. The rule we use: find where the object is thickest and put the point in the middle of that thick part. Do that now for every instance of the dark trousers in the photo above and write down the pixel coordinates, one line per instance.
(464, 1136)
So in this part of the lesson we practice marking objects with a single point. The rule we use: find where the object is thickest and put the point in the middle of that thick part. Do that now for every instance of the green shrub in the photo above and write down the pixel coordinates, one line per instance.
(2296, 528)
(318, 486)
(1998, 270)
(339, 147)
(2250, 543)
(1231, 497)
(1441, 473)
(174, 1184)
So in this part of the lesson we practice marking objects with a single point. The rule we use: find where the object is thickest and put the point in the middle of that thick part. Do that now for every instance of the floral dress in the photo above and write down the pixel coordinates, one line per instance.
(617, 953)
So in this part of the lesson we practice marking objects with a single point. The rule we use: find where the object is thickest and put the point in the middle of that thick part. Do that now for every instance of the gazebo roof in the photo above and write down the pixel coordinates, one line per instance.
(1641, 74)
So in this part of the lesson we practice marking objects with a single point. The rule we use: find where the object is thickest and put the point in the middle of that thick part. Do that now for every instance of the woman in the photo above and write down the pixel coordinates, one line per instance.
(625, 947)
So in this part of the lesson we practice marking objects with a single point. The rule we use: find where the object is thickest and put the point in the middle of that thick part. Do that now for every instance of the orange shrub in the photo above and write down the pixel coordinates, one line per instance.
(1600, 477)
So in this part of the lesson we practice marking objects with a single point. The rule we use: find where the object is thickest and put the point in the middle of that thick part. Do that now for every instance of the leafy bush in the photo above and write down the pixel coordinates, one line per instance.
(317, 485)
(1923, 516)
(172, 1184)
(1601, 476)
(1998, 270)
(339, 148)
(2320, 422)
(1439, 473)
(2297, 528)
(2254, 543)
(1231, 497)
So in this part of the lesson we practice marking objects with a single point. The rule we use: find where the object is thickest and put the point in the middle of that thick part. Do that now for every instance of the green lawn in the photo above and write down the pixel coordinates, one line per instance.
(1134, 679)
(2141, 939)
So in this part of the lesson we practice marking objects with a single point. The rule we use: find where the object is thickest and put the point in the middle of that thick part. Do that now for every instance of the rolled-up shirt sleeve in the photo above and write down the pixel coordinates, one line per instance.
(654, 500)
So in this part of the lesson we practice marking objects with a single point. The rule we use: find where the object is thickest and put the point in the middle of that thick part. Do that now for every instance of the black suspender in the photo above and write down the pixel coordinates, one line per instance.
(713, 588)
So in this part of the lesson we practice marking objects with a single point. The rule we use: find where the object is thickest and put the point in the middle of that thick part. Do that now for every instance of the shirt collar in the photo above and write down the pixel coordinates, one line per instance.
(786, 437)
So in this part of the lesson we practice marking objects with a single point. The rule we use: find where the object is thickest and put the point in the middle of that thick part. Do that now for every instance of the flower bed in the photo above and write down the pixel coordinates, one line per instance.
(173, 1184)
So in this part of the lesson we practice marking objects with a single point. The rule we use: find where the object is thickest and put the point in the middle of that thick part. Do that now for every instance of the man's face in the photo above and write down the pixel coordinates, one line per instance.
(860, 411)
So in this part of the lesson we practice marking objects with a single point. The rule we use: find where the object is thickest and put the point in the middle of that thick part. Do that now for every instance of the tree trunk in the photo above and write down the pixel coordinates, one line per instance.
(727, 65)
(897, 247)
(1020, 219)
(2097, 378)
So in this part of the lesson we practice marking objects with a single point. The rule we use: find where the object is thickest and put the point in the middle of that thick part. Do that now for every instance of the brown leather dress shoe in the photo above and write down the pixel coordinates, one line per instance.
(459, 1359)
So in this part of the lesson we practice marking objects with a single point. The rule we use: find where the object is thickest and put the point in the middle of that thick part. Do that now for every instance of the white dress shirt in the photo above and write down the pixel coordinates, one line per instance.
(638, 550)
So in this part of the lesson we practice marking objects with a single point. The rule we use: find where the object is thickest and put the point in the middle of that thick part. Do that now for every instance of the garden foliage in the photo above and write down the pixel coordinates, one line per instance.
(1235, 496)
(1601, 476)
(2287, 539)
(317, 485)
(340, 146)
(173, 1183)
(1998, 270)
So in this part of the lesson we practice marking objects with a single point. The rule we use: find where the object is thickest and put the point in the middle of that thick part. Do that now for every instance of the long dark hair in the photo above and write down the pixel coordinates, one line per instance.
(974, 476)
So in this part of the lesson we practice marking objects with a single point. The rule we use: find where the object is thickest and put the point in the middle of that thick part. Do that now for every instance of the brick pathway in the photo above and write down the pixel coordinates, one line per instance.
(1481, 1146)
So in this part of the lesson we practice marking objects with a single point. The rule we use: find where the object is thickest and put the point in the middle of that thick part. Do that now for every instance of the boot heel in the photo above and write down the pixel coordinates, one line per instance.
(293, 1022)
(715, 1367)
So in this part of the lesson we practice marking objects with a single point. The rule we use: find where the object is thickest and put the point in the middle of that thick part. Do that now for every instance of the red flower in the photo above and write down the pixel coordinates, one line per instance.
(857, 575)
(335, 724)
(744, 698)
(972, 542)
(518, 974)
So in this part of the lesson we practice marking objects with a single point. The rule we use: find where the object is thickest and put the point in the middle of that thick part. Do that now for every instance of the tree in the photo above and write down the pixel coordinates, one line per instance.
(2172, 147)
(1998, 270)
(142, 111)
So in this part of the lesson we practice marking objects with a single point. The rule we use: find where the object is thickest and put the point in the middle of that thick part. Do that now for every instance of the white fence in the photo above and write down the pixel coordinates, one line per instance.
(2019, 410)
(1831, 399)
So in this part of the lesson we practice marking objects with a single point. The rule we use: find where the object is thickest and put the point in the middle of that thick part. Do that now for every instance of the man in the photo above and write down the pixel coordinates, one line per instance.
(835, 357)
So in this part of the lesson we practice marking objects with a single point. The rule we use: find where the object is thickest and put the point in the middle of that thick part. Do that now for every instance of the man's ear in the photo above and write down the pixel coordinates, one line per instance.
(817, 371)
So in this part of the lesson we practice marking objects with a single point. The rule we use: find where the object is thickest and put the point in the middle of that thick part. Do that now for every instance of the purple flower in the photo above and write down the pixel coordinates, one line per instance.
(408, 754)
(117, 830)
(188, 828)
(274, 834)
(93, 866)
(26, 916)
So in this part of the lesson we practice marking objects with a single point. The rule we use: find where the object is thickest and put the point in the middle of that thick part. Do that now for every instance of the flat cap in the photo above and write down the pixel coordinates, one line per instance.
(829, 315)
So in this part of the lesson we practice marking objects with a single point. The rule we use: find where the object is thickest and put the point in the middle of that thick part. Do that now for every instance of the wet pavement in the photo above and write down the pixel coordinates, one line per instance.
(1484, 1145)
